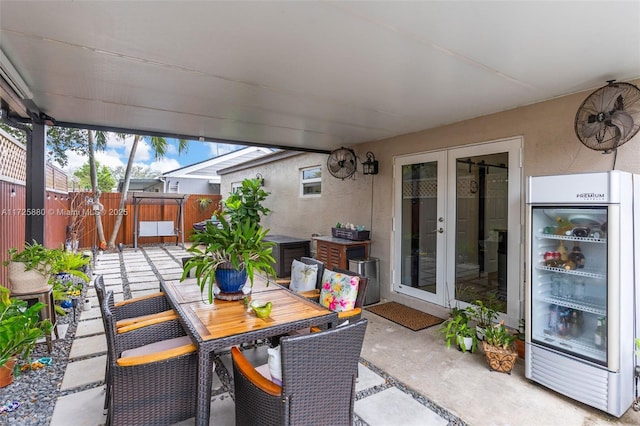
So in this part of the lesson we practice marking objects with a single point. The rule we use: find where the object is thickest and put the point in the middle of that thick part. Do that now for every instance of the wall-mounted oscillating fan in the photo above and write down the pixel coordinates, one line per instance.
(342, 163)
(609, 117)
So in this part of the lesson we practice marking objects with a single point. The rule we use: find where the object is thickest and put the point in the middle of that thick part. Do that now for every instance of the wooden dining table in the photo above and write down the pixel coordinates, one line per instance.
(225, 323)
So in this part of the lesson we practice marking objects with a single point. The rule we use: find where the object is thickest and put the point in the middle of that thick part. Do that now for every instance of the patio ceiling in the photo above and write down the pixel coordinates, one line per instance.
(306, 75)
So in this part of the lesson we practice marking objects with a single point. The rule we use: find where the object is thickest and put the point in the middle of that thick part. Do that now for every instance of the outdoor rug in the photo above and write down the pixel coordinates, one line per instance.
(408, 317)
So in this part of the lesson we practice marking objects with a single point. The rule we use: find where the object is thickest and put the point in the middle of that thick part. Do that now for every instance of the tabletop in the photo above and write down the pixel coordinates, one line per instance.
(228, 318)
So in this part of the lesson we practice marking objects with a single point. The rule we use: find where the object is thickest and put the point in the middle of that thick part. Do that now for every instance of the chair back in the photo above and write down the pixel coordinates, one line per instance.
(362, 285)
(311, 261)
(319, 372)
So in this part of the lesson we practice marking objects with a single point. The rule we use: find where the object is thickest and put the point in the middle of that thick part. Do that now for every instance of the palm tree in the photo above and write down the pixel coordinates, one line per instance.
(159, 145)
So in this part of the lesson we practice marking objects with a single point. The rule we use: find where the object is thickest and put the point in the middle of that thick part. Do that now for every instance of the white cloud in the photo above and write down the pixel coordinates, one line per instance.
(109, 158)
(75, 161)
(143, 151)
(165, 164)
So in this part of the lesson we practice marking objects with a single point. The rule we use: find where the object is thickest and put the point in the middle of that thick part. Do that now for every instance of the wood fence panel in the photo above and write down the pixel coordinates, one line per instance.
(152, 210)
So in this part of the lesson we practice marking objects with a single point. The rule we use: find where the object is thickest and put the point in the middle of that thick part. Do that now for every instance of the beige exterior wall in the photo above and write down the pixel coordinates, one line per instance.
(550, 147)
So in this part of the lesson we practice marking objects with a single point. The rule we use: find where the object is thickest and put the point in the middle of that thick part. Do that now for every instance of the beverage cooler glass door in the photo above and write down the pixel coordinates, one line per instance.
(569, 280)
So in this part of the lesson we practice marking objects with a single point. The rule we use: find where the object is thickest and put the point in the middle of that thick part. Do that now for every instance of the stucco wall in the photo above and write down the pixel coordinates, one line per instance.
(550, 147)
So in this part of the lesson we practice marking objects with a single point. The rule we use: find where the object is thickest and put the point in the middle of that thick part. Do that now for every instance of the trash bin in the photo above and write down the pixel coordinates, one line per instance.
(370, 268)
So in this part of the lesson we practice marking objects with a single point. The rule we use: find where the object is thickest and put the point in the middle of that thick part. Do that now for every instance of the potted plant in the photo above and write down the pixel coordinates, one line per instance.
(30, 269)
(227, 254)
(456, 329)
(204, 203)
(68, 264)
(498, 348)
(484, 313)
(20, 328)
(246, 202)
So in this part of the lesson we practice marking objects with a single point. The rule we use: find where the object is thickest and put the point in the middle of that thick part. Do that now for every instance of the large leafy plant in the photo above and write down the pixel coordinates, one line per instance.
(20, 326)
(245, 203)
(240, 245)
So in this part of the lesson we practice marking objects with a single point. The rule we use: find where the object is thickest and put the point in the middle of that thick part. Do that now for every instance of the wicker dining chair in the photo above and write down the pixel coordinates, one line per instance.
(319, 372)
(136, 309)
(139, 311)
(153, 372)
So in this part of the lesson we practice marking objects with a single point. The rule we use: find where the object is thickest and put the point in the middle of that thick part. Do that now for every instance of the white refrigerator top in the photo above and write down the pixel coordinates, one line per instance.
(584, 188)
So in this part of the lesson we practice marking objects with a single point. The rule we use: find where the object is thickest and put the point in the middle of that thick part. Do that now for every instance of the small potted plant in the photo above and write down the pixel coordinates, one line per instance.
(456, 329)
(30, 269)
(484, 313)
(498, 348)
(20, 328)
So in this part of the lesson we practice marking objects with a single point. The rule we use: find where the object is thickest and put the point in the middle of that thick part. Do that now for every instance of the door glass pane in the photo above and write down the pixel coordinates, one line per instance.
(481, 229)
(419, 223)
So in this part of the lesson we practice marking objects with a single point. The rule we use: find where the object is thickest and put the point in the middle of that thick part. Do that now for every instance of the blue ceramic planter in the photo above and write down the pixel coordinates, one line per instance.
(230, 280)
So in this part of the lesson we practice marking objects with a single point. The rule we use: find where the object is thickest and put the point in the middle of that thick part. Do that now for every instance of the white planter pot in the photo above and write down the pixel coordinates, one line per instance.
(26, 282)
(468, 343)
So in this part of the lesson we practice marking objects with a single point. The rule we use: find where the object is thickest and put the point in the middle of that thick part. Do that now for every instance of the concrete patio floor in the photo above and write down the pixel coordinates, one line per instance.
(405, 377)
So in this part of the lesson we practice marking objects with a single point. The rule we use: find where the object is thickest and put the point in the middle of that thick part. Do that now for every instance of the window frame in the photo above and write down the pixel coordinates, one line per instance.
(315, 180)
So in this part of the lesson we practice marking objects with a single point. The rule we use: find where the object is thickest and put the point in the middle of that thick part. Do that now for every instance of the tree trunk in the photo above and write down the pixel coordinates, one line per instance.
(123, 195)
(96, 191)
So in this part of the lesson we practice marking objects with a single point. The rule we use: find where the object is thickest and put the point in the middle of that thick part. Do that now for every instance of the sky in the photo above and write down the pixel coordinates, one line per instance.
(117, 154)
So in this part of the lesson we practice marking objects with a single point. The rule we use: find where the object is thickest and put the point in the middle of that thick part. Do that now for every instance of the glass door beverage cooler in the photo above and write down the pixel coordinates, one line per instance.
(580, 287)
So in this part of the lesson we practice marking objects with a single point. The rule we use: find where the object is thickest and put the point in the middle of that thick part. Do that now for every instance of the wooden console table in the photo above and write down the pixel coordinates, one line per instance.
(336, 252)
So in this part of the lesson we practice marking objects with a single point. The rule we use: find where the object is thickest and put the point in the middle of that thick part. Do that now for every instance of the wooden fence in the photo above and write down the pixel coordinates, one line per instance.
(63, 209)
(149, 210)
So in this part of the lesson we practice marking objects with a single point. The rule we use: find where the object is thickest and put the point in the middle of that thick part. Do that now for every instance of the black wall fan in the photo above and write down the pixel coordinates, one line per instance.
(342, 163)
(609, 117)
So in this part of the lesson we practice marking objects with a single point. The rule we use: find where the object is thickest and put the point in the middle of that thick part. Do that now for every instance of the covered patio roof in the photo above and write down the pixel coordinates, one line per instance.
(304, 75)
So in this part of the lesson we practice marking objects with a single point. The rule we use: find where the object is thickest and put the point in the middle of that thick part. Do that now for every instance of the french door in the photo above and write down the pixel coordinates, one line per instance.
(456, 212)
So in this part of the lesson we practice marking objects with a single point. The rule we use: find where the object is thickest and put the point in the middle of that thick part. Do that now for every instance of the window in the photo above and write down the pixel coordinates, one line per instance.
(235, 186)
(311, 181)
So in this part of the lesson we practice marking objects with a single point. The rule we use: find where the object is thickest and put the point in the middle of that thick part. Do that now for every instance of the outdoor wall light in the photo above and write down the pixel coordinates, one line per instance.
(370, 167)
(12, 193)
(48, 196)
(260, 179)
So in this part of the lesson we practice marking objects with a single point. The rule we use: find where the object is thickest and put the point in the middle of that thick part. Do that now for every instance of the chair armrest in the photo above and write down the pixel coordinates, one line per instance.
(311, 294)
(348, 314)
(284, 281)
(146, 323)
(138, 299)
(129, 321)
(250, 373)
(157, 356)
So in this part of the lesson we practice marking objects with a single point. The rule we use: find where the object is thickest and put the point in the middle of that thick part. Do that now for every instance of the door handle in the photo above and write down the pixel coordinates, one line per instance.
(439, 230)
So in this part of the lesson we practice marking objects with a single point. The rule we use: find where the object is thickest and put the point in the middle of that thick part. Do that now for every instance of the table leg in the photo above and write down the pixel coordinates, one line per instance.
(205, 372)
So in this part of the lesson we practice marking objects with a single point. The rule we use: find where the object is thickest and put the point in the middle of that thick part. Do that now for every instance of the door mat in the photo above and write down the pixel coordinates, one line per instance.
(408, 317)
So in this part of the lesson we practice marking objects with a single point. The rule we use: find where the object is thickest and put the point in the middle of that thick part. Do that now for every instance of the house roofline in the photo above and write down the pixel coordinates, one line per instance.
(266, 159)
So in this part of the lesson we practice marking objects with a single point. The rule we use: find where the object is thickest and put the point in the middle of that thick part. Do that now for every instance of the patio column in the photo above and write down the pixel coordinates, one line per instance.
(35, 184)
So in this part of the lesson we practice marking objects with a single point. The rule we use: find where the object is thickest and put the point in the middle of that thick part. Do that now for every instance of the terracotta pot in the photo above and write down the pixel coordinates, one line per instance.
(520, 348)
(6, 373)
